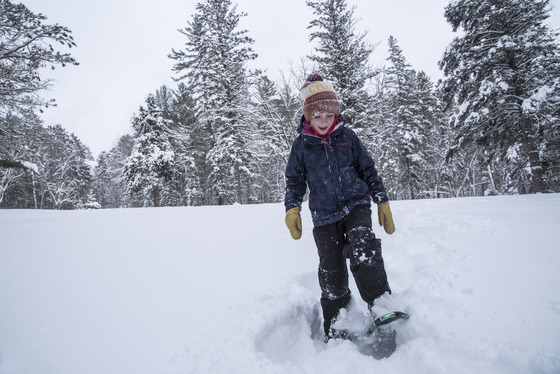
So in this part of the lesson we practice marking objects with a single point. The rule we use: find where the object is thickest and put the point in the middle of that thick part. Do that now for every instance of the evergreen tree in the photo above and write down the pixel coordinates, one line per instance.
(112, 184)
(277, 109)
(408, 136)
(18, 169)
(102, 181)
(184, 107)
(178, 107)
(53, 171)
(151, 163)
(190, 144)
(26, 46)
(214, 66)
(164, 99)
(503, 74)
(64, 175)
(342, 56)
(404, 130)
(437, 174)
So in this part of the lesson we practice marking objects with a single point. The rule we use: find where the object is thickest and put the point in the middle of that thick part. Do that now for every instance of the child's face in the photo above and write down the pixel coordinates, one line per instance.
(322, 123)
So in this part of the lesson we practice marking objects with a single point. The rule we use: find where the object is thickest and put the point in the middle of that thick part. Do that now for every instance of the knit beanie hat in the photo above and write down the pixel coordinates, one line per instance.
(318, 96)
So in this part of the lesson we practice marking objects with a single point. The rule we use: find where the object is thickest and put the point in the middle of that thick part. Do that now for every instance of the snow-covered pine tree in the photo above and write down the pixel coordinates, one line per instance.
(409, 129)
(342, 56)
(27, 45)
(54, 171)
(503, 74)
(213, 64)
(276, 112)
(195, 144)
(265, 155)
(404, 133)
(114, 186)
(152, 160)
(190, 144)
(19, 142)
(433, 123)
(64, 175)
(178, 108)
(102, 181)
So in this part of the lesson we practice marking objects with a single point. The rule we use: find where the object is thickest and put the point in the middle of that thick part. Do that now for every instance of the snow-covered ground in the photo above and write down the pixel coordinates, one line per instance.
(226, 290)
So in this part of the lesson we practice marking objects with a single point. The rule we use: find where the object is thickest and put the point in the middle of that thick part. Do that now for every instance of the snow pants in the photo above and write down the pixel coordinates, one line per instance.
(351, 238)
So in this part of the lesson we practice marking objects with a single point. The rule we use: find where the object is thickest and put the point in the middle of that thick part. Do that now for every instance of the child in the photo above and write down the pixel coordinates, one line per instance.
(329, 158)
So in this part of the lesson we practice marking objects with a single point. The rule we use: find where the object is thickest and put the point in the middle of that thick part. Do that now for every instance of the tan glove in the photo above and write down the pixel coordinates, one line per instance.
(293, 221)
(385, 217)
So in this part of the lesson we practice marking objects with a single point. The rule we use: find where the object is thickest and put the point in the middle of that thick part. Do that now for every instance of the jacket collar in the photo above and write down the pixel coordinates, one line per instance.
(304, 128)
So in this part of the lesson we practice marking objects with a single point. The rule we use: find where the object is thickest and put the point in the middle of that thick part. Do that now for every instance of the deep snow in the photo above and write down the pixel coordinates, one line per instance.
(226, 290)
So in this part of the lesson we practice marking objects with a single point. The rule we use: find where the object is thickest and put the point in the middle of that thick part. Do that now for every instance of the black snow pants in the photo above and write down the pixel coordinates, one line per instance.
(351, 238)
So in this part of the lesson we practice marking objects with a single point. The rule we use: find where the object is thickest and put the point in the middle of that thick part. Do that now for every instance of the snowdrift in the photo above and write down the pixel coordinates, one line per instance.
(226, 290)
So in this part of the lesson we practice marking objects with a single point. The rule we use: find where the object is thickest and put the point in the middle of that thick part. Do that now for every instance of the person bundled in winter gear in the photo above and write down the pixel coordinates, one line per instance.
(328, 158)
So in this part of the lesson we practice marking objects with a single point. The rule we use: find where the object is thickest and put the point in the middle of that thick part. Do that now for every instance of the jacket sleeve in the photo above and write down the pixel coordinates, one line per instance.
(296, 184)
(367, 171)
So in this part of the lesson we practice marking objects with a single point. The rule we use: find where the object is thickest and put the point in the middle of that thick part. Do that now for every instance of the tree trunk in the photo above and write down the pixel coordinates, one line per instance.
(34, 191)
(535, 167)
(536, 172)
(155, 196)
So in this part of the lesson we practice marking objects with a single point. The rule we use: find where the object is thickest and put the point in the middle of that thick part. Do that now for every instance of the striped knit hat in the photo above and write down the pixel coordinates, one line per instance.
(318, 96)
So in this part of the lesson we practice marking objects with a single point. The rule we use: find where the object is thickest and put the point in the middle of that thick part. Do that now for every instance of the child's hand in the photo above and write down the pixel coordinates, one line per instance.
(385, 217)
(293, 221)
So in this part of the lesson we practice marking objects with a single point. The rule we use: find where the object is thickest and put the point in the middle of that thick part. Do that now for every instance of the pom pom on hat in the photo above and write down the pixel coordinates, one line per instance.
(318, 96)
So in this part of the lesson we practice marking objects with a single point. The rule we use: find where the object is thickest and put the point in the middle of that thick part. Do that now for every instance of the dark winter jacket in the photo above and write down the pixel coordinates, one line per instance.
(339, 172)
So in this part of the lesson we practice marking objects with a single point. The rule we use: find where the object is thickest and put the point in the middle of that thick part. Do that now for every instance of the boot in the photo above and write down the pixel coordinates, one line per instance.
(331, 310)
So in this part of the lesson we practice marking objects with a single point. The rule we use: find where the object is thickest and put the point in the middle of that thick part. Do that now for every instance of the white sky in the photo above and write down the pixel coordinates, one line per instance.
(123, 47)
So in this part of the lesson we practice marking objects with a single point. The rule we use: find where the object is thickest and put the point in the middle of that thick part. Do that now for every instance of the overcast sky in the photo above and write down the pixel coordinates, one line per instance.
(123, 47)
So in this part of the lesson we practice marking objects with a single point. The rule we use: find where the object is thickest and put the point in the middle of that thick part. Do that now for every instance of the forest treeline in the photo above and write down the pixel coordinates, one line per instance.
(222, 134)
